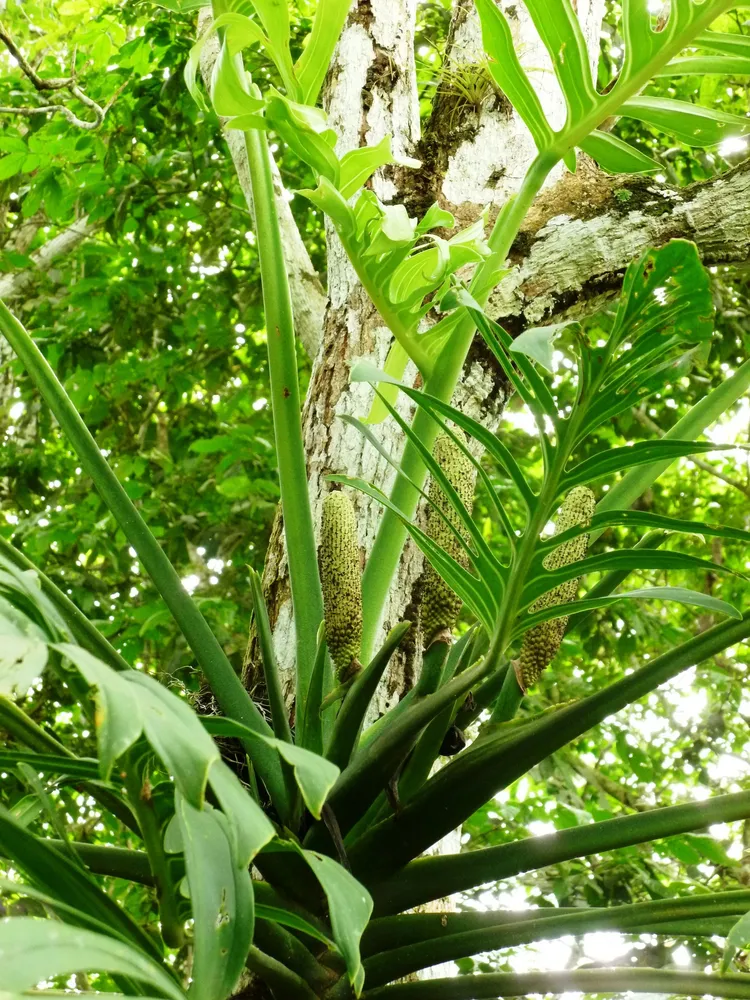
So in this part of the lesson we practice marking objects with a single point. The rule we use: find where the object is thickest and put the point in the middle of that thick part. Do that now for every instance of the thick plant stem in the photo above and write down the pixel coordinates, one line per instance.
(114, 862)
(280, 944)
(510, 984)
(307, 599)
(282, 981)
(434, 878)
(487, 936)
(441, 383)
(225, 684)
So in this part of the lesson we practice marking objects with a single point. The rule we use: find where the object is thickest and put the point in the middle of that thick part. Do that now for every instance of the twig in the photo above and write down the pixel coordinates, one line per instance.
(43, 85)
(612, 788)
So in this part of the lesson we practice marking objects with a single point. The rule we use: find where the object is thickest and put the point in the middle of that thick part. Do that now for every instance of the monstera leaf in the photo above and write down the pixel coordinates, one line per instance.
(648, 52)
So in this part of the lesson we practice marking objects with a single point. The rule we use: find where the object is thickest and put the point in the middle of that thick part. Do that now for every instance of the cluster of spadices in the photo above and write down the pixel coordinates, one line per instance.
(440, 606)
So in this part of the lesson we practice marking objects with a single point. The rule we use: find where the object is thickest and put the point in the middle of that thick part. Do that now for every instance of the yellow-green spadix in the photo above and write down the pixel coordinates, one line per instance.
(541, 643)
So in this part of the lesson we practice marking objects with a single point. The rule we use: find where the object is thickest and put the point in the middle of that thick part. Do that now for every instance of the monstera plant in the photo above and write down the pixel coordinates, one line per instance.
(296, 871)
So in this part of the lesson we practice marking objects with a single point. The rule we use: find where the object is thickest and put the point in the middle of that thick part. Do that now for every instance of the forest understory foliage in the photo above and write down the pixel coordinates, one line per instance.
(229, 766)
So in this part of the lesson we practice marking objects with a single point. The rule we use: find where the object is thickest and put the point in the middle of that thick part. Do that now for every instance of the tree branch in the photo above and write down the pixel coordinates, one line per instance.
(13, 285)
(309, 299)
(40, 83)
(582, 234)
(44, 85)
(621, 793)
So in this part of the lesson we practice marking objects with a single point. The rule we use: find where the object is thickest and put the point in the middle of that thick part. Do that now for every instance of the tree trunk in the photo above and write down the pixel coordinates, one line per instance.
(474, 153)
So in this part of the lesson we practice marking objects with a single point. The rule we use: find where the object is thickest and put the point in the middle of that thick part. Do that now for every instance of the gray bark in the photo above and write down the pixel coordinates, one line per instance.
(473, 154)
(15, 284)
(582, 234)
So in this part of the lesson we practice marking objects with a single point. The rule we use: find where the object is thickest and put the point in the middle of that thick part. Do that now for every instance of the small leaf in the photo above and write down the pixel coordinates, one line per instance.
(350, 906)
(616, 156)
(536, 343)
(358, 165)
(738, 937)
(287, 918)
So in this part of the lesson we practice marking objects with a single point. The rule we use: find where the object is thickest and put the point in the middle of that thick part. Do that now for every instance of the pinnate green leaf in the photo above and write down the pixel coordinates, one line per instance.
(690, 123)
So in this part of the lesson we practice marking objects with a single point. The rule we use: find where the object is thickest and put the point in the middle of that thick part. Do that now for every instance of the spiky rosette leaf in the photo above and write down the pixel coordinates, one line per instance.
(440, 605)
(541, 643)
(341, 582)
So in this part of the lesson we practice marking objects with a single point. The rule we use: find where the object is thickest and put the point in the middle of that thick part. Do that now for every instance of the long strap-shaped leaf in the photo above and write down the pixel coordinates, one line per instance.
(489, 986)
(435, 877)
(411, 957)
(225, 683)
(35, 949)
(52, 872)
(476, 775)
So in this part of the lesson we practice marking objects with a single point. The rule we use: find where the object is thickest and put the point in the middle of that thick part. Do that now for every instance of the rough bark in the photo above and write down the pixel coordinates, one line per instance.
(582, 233)
(474, 153)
